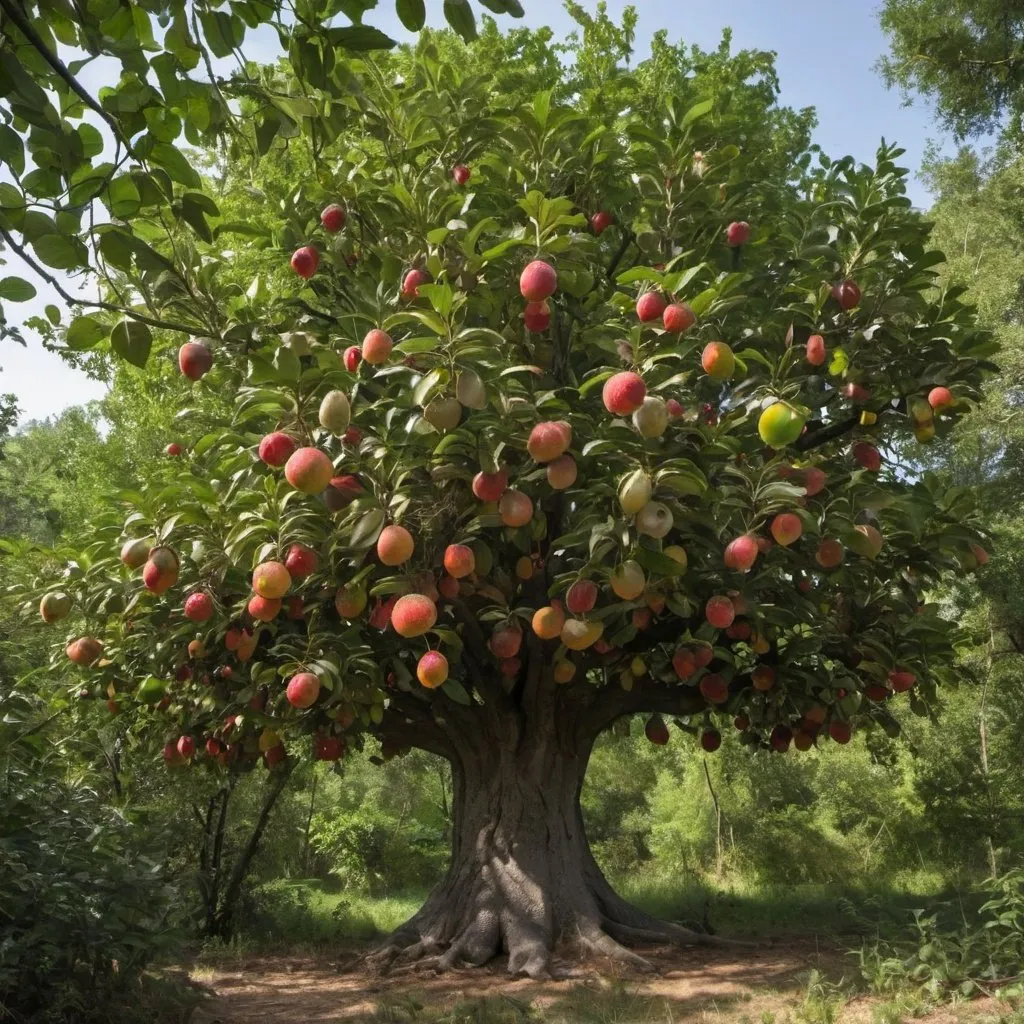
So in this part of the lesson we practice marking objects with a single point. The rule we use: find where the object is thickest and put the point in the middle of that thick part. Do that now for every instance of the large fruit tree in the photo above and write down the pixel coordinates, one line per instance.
(545, 414)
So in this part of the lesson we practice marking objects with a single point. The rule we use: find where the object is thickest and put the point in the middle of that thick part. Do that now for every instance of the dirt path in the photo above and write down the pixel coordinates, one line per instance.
(760, 984)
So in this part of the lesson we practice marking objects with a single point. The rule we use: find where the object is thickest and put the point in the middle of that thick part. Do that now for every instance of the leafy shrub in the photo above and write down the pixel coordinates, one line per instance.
(85, 906)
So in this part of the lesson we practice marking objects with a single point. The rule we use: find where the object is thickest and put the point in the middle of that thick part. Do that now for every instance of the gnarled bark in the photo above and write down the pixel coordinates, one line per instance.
(522, 877)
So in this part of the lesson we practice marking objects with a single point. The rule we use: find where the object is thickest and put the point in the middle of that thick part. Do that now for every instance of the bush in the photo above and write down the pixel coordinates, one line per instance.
(86, 907)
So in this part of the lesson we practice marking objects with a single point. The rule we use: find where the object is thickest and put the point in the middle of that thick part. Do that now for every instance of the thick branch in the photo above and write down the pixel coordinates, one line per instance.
(822, 435)
(627, 238)
(409, 722)
(166, 325)
(611, 703)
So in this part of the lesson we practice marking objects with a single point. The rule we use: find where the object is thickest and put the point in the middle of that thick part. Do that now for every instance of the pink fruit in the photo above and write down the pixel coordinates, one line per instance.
(461, 173)
(650, 306)
(377, 347)
(173, 449)
(562, 472)
(264, 609)
(410, 289)
(741, 553)
(432, 670)
(506, 640)
(714, 688)
(684, 663)
(678, 318)
(194, 359)
(737, 233)
(186, 746)
(902, 681)
(840, 732)
(549, 440)
(332, 217)
(271, 579)
(940, 398)
(537, 316)
(786, 528)
(308, 470)
(710, 740)
(341, 491)
(538, 281)
(719, 612)
(816, 352)
(459, 560)
(829, 554)
(413, 615)
(198, 607)
(303, 690)
(624, 393)
(490, 486)
(868, 456)
(515, 508)
(601, 220)
(581, 597)
(352, 357)
(846, 293)
(656, 730)
(300, 561)
(395, 545)
(305, 261)
(276, 448)
(675, 408)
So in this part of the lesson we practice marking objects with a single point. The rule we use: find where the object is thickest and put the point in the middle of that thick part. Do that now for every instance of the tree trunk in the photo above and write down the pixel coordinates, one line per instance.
(522, 876)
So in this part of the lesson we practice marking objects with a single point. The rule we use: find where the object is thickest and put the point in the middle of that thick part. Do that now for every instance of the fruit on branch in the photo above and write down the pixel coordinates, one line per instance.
(194, 359)
(432, 670)
(459, 560)
(868, 456)
(411, 286)
(840, 732)
(276, 448)
(303, 690)
(413, 615)
(856, 393)
(675, 408)
(678, 318)
(506, 640)
(829, 553)
(780, 425)
(341, 491)
(199, 607)
(649, 307)
(684, 663)
(186, 746)
(308, 470)
(624, 393)
(538, 281)
(548, 440)
(135, 552)
(377, 347)
(305, 261)
(814, 481)
(710, 740)
(803, 741)
(350, 601)
(741, 553)
(548, 621)
(333, 218)
(263, 609)
(490, 486)
(718, 360)
(940, 398)
(394, 545)
(634, 492)
(719, 611)
(628, 581)
(537, 316)
(300, 561)
(600, 221)
(352, 357)
(564, 671)
(579, 634)
(469, 390)
(271, 579)
(461, 174)
(737, 233)
(173, 449)
(335, 413)
(901, 680)
(780, 738)
(846, 293)
(515, 508)
(443, 413)
(328, 748)
(763, 677)
(864, 540)
(816, 352)
(581, 597)
(84, 651)
(562, 472)
(160, 572)
(786, 528)
(295, 608)
(656, 730)
(651, 419)
(54, 606)
(654, 520)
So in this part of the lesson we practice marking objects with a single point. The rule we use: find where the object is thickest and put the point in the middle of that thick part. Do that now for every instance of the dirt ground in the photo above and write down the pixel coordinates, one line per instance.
(761, 985)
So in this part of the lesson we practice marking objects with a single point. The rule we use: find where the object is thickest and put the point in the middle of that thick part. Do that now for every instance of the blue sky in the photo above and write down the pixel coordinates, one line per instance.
(826, 53)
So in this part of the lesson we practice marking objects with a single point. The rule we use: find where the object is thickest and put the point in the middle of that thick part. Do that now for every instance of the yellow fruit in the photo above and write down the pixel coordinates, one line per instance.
(638, 666)
(578, 634)
(628, 581)
(564, 671)
(634, 492)
(676, 553)
(780, 424)
(524, 567)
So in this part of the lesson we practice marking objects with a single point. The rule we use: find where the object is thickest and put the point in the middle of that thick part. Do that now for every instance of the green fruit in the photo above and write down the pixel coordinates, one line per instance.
(335, 412)
(151, 690)
(780, 424)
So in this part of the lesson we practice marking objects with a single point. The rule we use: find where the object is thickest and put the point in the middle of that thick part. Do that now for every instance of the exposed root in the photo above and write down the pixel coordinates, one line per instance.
(600, 943)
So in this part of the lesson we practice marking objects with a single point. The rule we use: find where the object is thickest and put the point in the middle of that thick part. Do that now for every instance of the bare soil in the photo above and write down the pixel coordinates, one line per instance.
(689, 984)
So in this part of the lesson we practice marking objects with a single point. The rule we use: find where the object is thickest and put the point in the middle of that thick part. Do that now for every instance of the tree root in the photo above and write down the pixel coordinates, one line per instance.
(600, 943)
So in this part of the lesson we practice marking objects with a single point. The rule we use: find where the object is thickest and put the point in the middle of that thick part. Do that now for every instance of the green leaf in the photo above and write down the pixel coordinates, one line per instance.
(460, 16)
(360, 38)
(132, 341)
(697, 111)
(61, 252)
(174, 162)
(454, 690)
(640, 274)
(85, 332)
(367, 529)
(412, 14)
(12, 149)
(53, 315)
(123, 199)
(14, 289)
